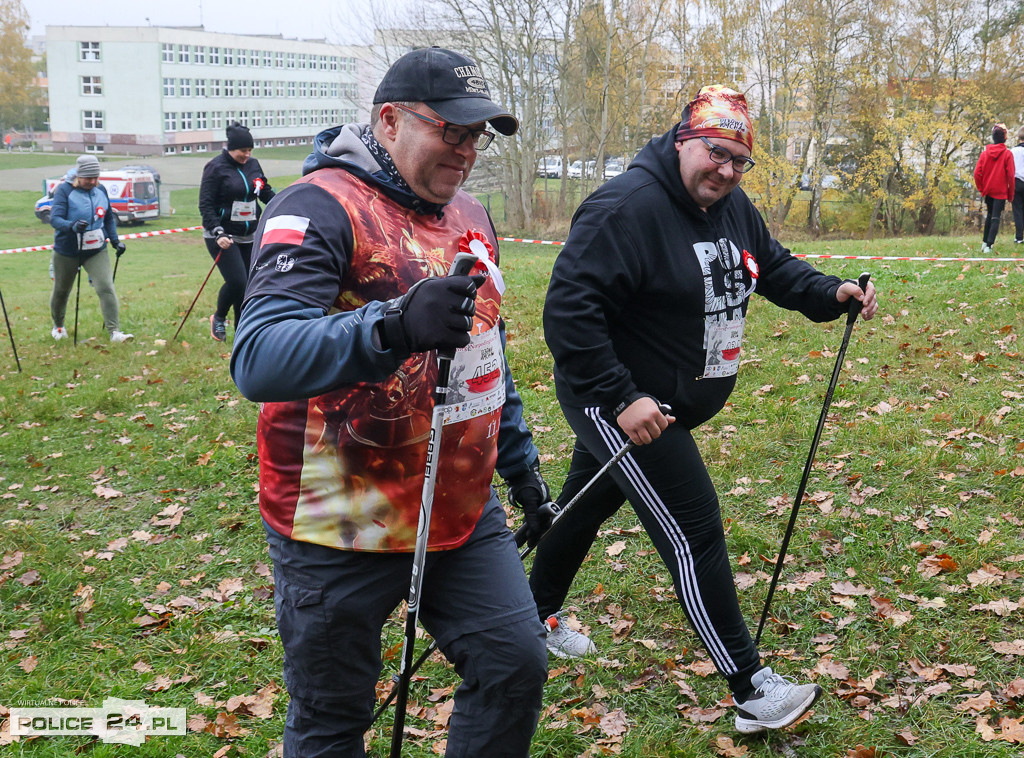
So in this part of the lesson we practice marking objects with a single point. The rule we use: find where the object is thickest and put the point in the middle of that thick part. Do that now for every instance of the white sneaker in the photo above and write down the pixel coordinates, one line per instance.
(777, 701)
(59, 333)
(119, 336)
(565, 642)
(986, 248)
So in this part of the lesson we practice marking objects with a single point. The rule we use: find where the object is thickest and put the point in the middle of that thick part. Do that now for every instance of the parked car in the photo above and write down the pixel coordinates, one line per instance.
(133, 195)
(577, 169)
(613, 167)
(550, 166)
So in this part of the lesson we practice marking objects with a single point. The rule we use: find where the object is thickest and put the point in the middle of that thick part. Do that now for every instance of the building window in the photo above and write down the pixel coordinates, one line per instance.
(229, 56)
(92, 120)
(214, 56)
(201, 120)
(168, 87)
(303, 118)
(184, 54)
(278, 60)
(302, 89)
(348, 65)
(229, 88)
(91, 85)
(268, 89)
(200, 88)
(88, 51)
(334, 63)
(268, 59)
(349, 91)
(186, 148)
(291, 60)
(186, 121)
(302, 60)
(215, 88)
(200, 54)
(94, 148)
(291, 89)
(216, 120)
(280, 118)
(257, 119)
(202, 148)
(167, 55)
(170, 122)
(291, 118)
(243, 88)
(170, 150)
(243, 58)
(185, 87)
(280, 89)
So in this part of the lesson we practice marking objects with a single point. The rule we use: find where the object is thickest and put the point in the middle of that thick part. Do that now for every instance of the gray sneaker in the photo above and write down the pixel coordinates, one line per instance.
(565, 642)
(777, 701)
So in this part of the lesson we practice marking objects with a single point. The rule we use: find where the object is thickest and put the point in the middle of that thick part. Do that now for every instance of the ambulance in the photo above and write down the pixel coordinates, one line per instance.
(134, 195)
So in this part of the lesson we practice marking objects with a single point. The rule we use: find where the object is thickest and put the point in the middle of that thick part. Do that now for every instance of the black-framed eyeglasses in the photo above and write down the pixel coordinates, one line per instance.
(740, 163)
(453, 134)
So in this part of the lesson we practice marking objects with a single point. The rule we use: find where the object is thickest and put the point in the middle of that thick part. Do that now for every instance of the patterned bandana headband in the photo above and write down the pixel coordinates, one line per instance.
(717, 111)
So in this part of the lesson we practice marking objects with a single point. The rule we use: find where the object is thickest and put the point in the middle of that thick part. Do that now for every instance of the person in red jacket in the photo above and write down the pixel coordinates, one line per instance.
(993, 176)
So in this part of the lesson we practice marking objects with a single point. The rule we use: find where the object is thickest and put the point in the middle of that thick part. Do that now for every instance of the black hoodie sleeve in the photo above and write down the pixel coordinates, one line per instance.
(595, 273)
(208, 200)
(794, 284)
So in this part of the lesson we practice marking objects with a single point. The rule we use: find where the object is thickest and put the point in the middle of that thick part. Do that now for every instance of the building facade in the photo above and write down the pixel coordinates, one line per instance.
(172, 90)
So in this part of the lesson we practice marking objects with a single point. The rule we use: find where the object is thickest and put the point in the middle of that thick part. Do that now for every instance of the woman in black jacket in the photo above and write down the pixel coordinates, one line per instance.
(230, 194)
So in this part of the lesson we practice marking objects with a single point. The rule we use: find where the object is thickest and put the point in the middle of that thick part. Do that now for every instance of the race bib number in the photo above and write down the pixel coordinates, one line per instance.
(243, 211)
(93, 239)
(476, 384)
(722, 341)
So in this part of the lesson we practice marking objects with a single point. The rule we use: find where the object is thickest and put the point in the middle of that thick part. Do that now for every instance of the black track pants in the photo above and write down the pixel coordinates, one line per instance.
(668, 486)
(234, 267)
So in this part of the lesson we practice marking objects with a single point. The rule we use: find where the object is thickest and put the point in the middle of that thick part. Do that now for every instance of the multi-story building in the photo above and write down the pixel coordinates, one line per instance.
(172, 90)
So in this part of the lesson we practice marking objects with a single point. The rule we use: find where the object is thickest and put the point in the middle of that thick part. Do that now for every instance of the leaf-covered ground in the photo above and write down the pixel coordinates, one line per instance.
(132, 562)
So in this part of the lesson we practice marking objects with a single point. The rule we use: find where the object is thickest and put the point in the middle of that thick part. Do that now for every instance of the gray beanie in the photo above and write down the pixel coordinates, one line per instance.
(88, 166)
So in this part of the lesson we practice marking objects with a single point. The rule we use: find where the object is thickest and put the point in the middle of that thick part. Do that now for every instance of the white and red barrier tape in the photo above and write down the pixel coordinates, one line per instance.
(964, 259)
(133, 236)
(836, 257)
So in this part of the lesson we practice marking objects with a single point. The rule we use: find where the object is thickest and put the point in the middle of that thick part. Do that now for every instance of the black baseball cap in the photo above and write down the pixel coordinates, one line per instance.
(449, 83)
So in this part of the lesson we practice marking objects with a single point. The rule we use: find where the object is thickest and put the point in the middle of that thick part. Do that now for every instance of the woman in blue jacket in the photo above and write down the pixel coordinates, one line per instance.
(84, 221)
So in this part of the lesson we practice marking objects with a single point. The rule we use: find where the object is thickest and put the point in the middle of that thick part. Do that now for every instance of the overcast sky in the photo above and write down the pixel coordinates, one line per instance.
(301, 19)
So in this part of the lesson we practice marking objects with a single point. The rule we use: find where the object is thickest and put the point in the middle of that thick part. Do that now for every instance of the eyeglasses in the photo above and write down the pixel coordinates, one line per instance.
(721, 156)
(453, 134)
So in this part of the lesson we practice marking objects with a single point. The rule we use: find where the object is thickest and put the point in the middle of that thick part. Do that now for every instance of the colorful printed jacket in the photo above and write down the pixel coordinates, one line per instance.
(342, 433)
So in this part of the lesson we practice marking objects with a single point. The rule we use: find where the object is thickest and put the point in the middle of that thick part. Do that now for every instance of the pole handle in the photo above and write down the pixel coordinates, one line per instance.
(856, 305)
(461, 266)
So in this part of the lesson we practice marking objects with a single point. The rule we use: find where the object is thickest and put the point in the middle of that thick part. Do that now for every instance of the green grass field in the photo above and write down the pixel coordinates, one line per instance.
(132, 563)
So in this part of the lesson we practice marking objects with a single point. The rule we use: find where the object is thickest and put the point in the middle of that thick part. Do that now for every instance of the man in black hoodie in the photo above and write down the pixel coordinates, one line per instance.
(647, 300)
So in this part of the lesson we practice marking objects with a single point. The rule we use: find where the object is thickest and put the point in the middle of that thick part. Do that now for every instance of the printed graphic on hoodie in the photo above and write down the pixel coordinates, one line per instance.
(728, 282)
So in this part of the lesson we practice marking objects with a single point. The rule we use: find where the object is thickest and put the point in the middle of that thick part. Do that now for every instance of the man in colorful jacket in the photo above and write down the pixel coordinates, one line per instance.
(346, 303)
(993, 176)
(648, 299)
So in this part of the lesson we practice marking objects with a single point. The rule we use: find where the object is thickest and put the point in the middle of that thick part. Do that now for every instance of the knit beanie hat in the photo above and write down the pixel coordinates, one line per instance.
(717, 111)
(239, 137)
(999, 133)
(87, 166)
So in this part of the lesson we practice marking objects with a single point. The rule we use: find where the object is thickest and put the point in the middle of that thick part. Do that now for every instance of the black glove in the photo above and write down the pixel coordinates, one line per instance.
(435, 314)
(218, 232)
(80, 226)
(529, 491)
(119, 248)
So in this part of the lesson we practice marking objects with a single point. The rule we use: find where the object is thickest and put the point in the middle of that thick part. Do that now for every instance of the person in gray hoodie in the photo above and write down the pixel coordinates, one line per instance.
(347, 301)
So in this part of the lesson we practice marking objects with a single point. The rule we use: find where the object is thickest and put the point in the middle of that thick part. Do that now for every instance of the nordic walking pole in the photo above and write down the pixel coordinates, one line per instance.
(461, 266)
(78, 288)
(117, 260)
(562, 510)
(855, 306)
(209, 273)
(9, 332)
(551, 508)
